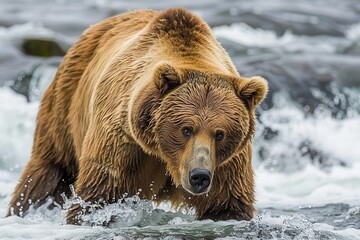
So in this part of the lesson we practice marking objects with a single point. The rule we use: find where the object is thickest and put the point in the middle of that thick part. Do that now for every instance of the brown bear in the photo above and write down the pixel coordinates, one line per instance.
(146, 100)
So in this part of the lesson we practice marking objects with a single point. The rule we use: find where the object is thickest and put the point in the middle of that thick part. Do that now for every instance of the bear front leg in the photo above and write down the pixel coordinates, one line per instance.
(106, 173)
(40, 179)
(231, 195)
(233, 209)
(95, 184)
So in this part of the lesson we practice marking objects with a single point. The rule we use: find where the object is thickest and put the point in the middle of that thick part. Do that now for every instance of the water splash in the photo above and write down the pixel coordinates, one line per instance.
(126, 212)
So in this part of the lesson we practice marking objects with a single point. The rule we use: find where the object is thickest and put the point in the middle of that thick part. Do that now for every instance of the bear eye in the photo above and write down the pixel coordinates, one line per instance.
(186, 131)
(219, 135)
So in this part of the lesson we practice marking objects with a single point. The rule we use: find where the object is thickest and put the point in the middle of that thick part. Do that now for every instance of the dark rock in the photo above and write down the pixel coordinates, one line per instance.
(42, 47)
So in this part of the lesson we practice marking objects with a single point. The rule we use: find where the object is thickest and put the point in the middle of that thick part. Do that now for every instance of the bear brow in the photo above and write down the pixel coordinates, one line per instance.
(210, 79)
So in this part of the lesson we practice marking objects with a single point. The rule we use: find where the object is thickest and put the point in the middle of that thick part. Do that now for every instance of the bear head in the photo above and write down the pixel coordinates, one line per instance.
(195, 121)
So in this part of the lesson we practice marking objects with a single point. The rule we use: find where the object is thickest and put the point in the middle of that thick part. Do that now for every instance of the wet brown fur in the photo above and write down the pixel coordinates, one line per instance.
(104, 121)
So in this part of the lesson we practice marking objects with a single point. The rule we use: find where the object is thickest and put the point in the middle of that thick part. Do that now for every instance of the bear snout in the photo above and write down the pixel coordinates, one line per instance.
(198, 170)
(200, 180)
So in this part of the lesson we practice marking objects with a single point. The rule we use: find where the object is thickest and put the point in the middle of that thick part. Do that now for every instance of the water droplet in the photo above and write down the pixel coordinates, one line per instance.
(63, 196)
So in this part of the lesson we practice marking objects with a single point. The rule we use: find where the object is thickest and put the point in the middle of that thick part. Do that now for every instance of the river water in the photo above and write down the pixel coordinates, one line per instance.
(307, 145)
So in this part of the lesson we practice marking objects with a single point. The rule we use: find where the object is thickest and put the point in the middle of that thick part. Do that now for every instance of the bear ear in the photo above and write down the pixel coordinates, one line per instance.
(252, 90)
(166, 78)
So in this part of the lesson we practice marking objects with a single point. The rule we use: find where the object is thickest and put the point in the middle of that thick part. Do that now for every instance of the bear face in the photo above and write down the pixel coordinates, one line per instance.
(200, 127)
(196, 121)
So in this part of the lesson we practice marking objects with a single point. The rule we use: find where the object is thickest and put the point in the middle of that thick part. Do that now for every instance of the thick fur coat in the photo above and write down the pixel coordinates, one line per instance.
(140, 101)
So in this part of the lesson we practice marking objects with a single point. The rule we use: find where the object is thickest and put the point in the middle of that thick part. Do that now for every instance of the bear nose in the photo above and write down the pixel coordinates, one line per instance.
(200, 179)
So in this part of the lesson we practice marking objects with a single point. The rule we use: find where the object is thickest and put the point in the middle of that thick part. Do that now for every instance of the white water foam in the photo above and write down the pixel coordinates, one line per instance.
(336, 139)
(25, 30)
(17, 124)
(246, 35)
(308, 187)
(353, 32)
